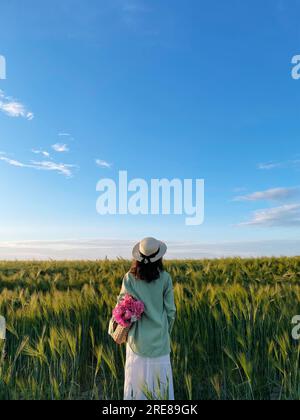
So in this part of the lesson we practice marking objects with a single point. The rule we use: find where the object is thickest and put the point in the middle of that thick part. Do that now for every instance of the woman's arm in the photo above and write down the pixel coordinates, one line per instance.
(169, 303)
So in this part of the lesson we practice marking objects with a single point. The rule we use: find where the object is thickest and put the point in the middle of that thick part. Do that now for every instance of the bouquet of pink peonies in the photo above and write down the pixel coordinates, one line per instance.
(128, 311)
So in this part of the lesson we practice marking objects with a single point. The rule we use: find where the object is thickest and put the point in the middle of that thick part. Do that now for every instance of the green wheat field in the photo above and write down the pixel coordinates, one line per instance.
(232, 338)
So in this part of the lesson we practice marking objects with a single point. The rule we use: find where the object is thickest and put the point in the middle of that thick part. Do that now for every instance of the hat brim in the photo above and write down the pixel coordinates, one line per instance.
(162, 251)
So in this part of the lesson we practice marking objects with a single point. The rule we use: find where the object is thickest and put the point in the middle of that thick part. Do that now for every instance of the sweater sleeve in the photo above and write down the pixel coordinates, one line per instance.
(169, 303)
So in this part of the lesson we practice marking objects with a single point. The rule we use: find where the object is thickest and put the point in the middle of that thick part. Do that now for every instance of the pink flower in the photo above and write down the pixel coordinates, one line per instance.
(139, 308)
(128, 315)
(128, 311)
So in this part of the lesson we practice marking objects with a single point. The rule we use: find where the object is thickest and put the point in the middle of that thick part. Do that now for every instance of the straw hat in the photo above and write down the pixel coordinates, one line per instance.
(149, 250)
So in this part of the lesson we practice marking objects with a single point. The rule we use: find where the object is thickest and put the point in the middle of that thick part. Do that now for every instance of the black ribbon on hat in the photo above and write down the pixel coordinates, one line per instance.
(147, 260)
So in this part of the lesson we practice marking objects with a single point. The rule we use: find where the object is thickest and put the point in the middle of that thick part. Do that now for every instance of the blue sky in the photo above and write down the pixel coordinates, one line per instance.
(195, 89)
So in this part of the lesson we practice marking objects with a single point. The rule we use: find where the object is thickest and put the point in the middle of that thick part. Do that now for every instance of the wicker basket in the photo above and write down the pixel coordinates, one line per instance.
(120, 333)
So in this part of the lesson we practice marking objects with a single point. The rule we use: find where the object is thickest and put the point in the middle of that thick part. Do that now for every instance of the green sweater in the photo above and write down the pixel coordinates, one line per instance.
(150, 336)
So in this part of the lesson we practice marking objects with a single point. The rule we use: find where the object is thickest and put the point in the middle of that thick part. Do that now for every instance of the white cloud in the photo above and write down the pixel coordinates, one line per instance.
(269, 165)
(283, 216)
(30, 116)
(60, 148)
(289, 164)
(95, 249)
(41, 152)
(13, 162)
(103, 164)
(64, 134)
(275, 194)
(14, 108)
(60, 168)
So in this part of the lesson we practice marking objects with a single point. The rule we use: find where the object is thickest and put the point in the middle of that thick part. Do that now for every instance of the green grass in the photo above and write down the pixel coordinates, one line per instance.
(232, 337)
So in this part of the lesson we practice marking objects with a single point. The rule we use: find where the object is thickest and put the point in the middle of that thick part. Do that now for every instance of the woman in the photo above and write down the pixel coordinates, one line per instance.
(148, 371)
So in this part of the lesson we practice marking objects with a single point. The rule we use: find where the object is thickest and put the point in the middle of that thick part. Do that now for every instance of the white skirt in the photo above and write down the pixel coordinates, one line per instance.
(148, 378)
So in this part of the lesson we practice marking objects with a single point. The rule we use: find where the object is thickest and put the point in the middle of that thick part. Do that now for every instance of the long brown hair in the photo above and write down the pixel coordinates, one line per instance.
(147, 272)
